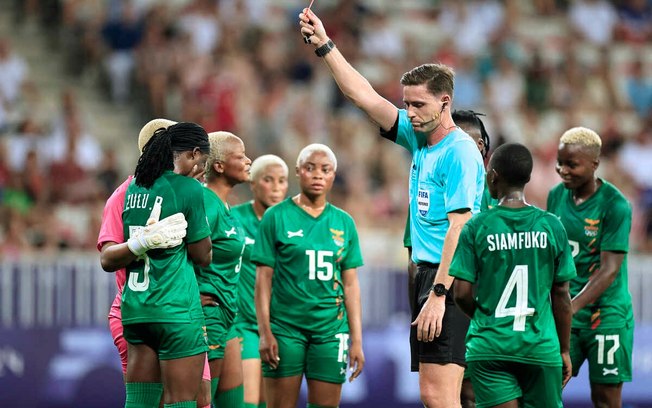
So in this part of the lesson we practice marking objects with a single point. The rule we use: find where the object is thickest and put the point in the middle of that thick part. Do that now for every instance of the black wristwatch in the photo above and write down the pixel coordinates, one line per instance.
(439, 289)
(325, 49)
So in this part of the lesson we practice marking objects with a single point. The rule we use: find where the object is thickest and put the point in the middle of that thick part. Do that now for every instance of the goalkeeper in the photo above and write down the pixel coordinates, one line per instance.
(161, 313)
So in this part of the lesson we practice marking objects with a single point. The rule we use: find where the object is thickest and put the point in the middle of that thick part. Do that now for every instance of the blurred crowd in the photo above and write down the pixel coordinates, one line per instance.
(534, 68)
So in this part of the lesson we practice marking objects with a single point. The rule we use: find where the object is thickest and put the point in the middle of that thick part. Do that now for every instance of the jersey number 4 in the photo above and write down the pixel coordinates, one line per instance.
(517, 281)
(319, 267)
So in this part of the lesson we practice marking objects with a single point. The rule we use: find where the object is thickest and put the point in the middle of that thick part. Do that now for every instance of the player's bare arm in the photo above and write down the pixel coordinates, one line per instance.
(352, 84)
(464, 297)
(561, 310)
(262, 297)
(354, 313)
(201, 252)
(114, 256)
(610, 263)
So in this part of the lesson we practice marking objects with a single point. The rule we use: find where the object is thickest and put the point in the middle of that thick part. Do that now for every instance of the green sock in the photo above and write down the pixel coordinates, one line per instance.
(214, 383)
(182, 404)
(233, 398)
(318, 406)
(250, 405)
(143, 395)
(262, 405)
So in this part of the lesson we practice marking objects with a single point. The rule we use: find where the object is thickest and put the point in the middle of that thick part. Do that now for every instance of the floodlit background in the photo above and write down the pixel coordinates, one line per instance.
(78, 78)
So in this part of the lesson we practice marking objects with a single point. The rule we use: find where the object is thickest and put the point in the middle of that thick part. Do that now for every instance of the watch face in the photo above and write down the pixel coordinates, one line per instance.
(439, 289)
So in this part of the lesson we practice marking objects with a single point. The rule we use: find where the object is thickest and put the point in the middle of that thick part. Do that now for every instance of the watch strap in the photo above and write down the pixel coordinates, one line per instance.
(325, 49)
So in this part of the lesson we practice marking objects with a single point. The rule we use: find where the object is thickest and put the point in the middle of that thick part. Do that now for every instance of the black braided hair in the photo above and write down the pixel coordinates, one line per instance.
(471, 118)
(156, 158)
(158, 153)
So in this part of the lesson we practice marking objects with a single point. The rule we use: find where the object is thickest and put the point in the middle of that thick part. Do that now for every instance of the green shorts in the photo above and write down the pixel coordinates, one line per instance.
(249, 340)
(319, 357)
(218, 327)
(496, 382)
(609, 352)
(170, 340)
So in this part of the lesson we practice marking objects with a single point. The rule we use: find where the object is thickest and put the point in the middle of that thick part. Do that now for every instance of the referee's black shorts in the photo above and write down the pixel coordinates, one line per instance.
(449, 347)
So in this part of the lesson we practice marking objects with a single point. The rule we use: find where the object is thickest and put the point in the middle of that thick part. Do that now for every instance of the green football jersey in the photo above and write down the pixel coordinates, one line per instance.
(487, 202)
(250, 223)
(161, 285)
(601, 223)
(308, 255)
(220, 278)
(514, 256)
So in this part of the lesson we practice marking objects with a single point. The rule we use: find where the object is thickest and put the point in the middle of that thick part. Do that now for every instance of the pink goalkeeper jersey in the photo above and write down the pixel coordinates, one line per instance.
(111, 231)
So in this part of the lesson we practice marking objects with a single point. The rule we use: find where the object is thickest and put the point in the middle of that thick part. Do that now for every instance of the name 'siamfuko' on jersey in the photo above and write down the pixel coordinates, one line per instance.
(517, 240)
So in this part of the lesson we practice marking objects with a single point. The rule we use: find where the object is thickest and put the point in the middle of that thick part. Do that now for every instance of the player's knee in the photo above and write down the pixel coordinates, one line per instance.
(605, 396)
(432, 399)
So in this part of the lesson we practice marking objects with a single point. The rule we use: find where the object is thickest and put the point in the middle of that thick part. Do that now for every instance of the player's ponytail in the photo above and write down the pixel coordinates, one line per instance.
(158, 153)
(156, 158)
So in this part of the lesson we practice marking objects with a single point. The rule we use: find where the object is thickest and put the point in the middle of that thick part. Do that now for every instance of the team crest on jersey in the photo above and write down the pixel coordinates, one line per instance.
(423, 201)
(591, 227)
(338, 237)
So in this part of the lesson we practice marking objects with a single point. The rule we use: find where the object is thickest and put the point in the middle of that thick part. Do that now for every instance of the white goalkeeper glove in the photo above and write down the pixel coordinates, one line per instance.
(167, 233)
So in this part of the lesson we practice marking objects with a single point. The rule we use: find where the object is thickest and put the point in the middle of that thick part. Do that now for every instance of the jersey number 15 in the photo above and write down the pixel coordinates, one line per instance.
(320, 265)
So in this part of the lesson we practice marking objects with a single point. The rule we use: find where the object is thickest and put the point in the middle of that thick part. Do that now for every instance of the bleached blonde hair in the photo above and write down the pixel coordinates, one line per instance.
(261, 164)
(581, 136)
(314, 148)
(220, 149)
(148, 130)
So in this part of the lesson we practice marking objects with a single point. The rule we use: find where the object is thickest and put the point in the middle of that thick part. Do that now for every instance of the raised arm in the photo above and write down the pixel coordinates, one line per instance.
(352, 84)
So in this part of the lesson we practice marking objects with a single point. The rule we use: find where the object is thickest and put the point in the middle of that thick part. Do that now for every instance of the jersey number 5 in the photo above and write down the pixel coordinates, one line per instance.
(133, 282)
(318, 266)
(517, 281)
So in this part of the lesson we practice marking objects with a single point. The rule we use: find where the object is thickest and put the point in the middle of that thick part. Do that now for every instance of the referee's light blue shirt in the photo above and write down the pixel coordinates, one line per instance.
(445, 177)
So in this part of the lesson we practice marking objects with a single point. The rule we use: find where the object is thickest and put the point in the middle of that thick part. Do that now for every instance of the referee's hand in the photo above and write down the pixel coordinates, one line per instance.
(429, 321)
(268, 348)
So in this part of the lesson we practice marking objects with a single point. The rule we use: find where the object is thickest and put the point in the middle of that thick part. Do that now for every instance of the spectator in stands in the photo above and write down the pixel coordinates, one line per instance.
(635, 159)
(635, 21)
(593, 20)
(87, 152)
(13, 74)
(639, 89)
(122, 36)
